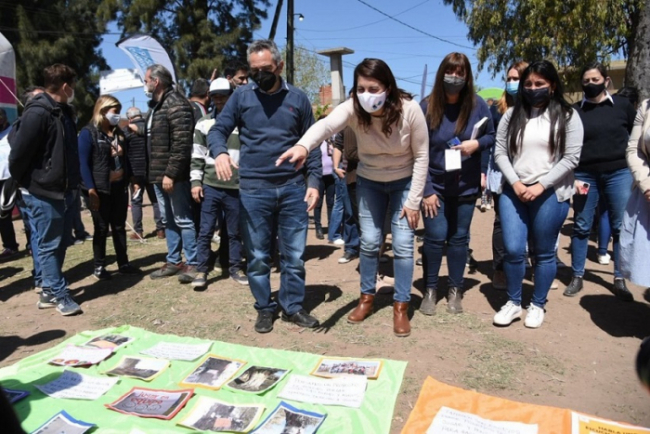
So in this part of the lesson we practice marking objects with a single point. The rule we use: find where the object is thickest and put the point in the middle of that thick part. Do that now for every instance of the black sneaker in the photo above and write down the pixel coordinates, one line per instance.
(621, 291)
(129, 269)
(302, 319)
(319, 234)
(46, 300)
(100, 273)
(418, 261)
(239, 277)
(66, 306)
(347, 257)
(200, 281)
(264, 323)
(574, 287)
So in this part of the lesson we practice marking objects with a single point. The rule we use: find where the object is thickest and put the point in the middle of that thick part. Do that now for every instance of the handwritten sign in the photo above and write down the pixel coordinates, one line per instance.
(450, 421)
(72, 385)
(348, 391)
(73, 355)
(170, 351)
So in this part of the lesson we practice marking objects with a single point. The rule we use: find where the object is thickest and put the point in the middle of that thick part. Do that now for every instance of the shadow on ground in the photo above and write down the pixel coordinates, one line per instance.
(618, 318)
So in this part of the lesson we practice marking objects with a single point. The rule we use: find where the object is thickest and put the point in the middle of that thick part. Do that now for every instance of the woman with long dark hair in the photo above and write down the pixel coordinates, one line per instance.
(453, 112)
(538, 145)
(391, 136)
(105, 172)
(494, 177)
(603, 171)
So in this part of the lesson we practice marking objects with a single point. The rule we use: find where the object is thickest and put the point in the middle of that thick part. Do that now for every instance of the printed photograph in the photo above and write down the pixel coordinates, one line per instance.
(160, 404)
(212, 415)
(331, 368)
(257, 379)
(63, 423)
(287, 419)
(213, 372)
(109, 341)
(137, 367)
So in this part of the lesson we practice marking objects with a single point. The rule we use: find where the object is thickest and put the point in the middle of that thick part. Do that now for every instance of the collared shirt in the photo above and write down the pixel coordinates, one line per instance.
(607, 96)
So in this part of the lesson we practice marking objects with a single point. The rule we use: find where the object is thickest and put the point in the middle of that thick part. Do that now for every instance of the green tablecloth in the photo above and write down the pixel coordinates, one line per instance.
(374, 416)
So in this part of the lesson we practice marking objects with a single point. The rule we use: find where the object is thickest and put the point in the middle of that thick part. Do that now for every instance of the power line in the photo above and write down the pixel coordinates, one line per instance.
(414, 28)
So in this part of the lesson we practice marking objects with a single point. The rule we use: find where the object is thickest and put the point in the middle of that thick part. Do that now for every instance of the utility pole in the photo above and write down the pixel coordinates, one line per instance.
(276, 17)
(290, 41)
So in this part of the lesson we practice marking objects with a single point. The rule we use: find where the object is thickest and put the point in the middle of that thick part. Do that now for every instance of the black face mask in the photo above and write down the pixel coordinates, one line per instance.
(265, 80)
(537, 97)
(592, 90)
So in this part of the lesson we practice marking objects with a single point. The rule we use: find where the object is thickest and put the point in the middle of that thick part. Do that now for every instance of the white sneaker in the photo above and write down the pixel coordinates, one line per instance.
(604, 259)
(339, 242)
(488, 206)
(534, 317)
(508, 313)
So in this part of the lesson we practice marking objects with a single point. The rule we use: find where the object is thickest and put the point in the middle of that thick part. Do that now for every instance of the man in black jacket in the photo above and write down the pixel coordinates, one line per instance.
(44, 160)
(137, 156)
(169, 130)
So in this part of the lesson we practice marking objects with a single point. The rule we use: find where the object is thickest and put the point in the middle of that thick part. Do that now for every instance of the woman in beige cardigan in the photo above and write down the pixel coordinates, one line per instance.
(635, 231)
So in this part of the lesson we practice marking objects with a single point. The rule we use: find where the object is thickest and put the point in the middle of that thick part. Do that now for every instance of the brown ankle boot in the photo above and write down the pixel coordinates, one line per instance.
(454, 298)
(363, 309)
(401, 325)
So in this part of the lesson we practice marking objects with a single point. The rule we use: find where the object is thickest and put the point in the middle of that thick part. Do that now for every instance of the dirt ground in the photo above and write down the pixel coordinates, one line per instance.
(581, 358)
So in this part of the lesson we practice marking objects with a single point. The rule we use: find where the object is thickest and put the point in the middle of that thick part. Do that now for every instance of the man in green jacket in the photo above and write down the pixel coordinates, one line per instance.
(219, 199)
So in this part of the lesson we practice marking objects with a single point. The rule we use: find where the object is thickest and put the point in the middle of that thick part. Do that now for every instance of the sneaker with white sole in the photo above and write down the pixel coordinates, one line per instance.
(507, 314)
(604, 259)
(534, 317)
(339, 242)
(66, 306)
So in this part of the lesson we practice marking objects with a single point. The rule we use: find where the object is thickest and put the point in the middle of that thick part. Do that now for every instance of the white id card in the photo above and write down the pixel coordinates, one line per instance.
(452, 160)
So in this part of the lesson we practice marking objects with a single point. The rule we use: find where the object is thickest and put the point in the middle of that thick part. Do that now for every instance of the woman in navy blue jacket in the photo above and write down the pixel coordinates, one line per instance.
(452, 110)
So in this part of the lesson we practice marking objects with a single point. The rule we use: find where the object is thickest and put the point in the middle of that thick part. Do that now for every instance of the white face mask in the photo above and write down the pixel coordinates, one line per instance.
(147, 92)
(112, 118)
(371, 102)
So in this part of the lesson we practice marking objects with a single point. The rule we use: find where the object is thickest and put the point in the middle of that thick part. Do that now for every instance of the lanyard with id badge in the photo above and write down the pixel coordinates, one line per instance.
(453, 159)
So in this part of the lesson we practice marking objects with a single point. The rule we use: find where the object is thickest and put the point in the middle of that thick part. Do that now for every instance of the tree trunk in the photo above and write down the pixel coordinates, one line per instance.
(637, 71)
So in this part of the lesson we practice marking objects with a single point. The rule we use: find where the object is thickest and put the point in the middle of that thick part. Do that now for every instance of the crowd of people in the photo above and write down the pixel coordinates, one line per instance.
(243, 155)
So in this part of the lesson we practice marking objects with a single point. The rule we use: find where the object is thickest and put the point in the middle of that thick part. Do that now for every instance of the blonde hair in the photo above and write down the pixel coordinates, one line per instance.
(507, 100)
(104, 104)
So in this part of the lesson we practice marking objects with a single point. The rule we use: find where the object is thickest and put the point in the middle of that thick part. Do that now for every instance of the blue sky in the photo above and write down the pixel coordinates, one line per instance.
(353, 24)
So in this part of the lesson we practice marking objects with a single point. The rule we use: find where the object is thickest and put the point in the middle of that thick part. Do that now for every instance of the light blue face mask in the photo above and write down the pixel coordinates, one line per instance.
(512, 87)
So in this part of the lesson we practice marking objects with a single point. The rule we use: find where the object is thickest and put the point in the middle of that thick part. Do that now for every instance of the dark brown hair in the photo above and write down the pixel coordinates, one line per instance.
(506, 101)
(378, 70)
(56, 75)
(436, 101)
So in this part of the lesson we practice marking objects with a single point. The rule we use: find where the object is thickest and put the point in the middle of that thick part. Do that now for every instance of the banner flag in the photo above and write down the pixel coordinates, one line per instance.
(144, 51)
(8, 79)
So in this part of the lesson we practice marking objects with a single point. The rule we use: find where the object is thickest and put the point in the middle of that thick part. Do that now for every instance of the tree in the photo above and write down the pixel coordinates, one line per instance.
(200, 35)
(569, 32)
(310, 72)
(57, 31)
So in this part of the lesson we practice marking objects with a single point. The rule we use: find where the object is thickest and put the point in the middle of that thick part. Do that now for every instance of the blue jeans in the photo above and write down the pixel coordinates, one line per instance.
(266, 212)
(350, 220)
(219, 202)
(616, 187)
(540, 219)
(375, 198)
(604, 229)
(450, 226)
(53, 223)
(337, 217)
(28, 218)
(179, 230)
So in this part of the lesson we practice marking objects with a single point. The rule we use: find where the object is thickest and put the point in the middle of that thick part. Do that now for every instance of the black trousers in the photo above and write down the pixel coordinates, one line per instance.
(112, 212)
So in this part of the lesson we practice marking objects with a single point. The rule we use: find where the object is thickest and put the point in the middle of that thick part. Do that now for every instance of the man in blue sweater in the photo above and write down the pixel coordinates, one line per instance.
(271, 116)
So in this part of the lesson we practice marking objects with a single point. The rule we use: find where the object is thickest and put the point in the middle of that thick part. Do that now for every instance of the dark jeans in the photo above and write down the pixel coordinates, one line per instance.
(53, 222)
(350, 218)
(77, 223)
(616, 187)
(264, 213)
(326, 191)
(32, 238)
(450, 226)
(498, 250)
(7, 231)
(112, 212)
(219, 202)
(136, 209)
